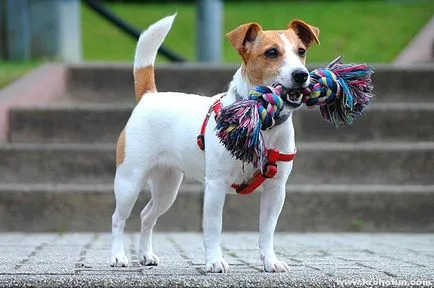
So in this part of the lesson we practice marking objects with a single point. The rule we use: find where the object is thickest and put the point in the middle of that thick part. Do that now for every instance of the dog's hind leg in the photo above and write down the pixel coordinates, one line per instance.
(127, 185)
(165, 183)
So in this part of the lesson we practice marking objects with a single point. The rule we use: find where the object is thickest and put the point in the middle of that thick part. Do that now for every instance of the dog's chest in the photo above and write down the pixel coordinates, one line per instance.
(242, 175)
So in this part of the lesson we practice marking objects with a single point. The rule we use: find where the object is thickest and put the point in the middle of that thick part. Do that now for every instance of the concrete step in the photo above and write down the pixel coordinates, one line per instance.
(109, 83)
(313, 208)
(317, 163)
(88, 123)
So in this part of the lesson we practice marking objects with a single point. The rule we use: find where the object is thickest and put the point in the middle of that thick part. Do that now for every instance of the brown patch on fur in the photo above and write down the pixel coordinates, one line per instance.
(144, 81)
(120, 148)
(307, 33)
(243, 36)
(258, 67)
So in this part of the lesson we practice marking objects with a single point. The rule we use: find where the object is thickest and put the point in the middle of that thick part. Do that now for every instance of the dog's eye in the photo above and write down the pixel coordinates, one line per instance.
(301, 52)
(271, 53)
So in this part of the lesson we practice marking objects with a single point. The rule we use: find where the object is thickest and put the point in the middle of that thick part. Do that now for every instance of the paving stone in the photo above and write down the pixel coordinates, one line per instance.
(315, 260)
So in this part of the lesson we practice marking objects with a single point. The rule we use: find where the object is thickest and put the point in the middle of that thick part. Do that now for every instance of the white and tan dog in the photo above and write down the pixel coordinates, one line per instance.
(158, 144)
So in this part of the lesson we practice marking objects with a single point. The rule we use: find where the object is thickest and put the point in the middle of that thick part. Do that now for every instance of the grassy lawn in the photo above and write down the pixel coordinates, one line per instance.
(362, 31)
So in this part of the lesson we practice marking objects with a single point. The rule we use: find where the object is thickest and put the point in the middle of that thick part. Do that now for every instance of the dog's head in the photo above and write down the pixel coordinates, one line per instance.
(276, 56)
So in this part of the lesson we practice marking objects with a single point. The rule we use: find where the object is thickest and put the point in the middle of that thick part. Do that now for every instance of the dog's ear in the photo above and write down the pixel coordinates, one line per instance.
(307, 33)
(243, 36)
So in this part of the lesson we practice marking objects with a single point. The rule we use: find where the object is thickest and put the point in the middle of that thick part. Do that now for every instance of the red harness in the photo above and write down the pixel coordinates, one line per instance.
(270, 168)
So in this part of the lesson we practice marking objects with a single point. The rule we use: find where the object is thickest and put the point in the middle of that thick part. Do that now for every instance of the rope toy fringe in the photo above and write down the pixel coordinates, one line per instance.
(341, 91)
(239, 125)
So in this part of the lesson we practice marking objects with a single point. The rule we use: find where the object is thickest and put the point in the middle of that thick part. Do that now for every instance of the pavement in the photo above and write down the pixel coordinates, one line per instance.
(315, 259)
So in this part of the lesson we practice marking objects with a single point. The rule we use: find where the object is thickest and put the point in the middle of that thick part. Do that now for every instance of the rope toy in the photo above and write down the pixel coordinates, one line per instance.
(239, 125)
(341, 91)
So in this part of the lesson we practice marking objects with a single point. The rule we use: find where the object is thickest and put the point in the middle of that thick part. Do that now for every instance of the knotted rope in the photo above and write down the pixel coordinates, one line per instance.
(240, 123)
(341, 92)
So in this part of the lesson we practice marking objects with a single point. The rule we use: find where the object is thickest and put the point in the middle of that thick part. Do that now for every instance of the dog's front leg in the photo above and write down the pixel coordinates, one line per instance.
(215, 192)
(272, 199)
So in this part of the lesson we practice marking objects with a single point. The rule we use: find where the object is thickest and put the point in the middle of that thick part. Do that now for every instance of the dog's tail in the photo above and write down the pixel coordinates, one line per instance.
(146, 52)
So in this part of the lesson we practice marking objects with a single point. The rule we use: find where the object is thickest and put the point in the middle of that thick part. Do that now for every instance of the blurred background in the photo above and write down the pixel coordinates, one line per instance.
(66, 92)
(35, 31)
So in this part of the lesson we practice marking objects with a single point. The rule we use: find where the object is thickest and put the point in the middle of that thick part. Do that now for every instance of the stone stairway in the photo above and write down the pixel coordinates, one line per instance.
(58, 164)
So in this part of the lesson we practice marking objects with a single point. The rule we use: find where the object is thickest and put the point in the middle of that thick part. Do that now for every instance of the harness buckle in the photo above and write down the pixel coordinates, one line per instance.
(201, 141)
(270, 169)
(239, 188)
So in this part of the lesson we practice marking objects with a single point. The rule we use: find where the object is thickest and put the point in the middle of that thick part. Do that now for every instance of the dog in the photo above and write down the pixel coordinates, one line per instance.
(158, 143)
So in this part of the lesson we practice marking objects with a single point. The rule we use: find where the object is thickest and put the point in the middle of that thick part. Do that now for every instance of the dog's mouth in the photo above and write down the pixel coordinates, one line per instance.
(292, 96)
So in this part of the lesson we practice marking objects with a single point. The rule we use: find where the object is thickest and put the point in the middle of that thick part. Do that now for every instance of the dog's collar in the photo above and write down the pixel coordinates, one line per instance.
(278, 120)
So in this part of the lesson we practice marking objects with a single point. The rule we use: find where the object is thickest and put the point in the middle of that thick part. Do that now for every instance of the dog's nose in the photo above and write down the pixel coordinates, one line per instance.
(300, 76)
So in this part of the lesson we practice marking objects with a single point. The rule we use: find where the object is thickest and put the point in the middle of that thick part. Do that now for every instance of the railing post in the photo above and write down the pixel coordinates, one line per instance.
(209, 30)
(2, 30)
(56, 29)
(17, 29)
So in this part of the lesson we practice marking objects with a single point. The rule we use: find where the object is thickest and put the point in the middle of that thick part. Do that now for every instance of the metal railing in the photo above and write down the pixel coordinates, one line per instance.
(128, 29)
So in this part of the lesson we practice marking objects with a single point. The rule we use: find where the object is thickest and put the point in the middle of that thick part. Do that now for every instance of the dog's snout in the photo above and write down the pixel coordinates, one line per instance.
(300, 76)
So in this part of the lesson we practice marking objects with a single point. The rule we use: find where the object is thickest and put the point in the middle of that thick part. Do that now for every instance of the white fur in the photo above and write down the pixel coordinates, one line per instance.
(150, 40)
(160, 147)
(240, 84)
(291, 63)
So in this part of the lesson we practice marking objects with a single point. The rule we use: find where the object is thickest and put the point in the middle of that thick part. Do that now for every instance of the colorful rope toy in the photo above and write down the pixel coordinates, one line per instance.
(341, 91)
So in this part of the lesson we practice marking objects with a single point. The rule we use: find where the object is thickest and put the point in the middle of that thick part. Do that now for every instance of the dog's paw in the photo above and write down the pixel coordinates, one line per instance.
(275, 266)
(148, 259)
(119, 260)
(217, 266)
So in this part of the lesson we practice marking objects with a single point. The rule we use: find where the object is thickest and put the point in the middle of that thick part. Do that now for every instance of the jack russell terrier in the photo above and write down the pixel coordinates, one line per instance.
(158, 144)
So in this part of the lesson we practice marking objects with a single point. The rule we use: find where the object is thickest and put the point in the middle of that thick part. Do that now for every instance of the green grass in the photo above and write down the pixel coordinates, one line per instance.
(11, 71)
(357, 225)
(362, 31)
